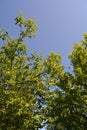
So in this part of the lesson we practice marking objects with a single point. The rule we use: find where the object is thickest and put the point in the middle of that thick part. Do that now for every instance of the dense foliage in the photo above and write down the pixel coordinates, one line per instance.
(67, 105)
(35, 91)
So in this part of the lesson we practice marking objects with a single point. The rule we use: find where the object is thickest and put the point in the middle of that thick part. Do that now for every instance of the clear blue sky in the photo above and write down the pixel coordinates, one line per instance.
(60, 22)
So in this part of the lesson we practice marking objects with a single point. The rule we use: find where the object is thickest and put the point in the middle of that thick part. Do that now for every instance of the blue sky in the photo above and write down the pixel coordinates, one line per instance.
(60, 23)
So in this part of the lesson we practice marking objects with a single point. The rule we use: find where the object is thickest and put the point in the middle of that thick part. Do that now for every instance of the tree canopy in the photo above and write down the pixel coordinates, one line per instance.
(37, 91)
(67, 105)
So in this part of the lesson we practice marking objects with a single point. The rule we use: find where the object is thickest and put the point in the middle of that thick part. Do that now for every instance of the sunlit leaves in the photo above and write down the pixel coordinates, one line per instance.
(20, 83)
(53, 65)
(67, 103)
(28, 27)
(35, 91)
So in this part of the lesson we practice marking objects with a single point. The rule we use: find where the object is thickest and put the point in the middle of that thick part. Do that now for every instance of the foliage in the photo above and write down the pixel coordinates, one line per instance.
(35, 91)
(21, 83)
(67, 105)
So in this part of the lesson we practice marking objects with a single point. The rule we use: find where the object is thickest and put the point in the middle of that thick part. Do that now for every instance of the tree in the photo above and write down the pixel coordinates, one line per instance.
(67, 105)
(22, 87)
(25, 80)
(35, 91)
